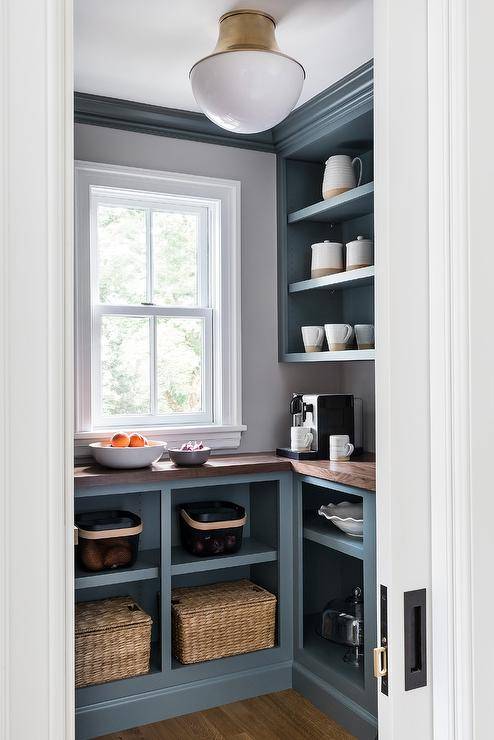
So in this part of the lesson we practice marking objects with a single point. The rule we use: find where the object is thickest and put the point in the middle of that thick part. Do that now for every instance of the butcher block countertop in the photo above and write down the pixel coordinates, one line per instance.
(360, 473)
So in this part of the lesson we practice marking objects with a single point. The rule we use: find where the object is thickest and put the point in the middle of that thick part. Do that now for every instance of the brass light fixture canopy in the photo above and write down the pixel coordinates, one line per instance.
(246, 29)
(246, 60)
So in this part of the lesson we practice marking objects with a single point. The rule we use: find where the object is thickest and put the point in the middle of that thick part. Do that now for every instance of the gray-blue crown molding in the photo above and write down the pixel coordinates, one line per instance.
(354, 90)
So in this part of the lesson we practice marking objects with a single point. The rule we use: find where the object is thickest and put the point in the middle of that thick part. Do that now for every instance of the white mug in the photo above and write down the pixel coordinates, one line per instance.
(364, 334)
(340, 447)
(300, 438)
(359, 253)
(327, 258)
(339, 175)
(338, 336)
(313, 337)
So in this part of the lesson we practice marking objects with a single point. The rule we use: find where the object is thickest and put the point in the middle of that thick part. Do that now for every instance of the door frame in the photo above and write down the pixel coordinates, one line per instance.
(450, 389)
(36, 60)
(36, 389)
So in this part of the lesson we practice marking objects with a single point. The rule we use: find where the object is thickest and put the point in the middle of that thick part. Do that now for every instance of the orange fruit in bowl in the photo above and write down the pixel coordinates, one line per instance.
(137, 440)
(120, 439)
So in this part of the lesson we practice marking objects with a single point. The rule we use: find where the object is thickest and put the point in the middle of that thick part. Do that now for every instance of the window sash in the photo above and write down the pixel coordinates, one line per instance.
(151, 204)
(165, 204)
(100, 421)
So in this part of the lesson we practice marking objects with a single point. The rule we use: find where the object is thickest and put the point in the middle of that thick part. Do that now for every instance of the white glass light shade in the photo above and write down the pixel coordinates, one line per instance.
(247, 91)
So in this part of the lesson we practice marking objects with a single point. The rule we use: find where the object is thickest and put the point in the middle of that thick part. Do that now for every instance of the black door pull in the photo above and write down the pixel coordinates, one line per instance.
(415, 639)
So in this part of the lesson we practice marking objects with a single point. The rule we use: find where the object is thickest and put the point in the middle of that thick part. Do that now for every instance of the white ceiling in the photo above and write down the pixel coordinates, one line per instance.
(142, 50)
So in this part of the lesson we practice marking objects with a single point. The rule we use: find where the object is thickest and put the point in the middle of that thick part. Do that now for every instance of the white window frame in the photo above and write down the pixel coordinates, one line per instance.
(220, 423)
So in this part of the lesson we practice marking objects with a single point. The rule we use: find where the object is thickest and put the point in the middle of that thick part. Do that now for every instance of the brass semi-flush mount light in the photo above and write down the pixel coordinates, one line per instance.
(247, 84)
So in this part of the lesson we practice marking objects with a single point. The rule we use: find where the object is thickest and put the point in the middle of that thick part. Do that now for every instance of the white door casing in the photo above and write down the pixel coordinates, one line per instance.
(36, 450)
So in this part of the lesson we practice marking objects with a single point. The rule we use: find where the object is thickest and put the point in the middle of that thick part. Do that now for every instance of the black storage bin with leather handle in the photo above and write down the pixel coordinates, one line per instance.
(107, 539)
(211, 527)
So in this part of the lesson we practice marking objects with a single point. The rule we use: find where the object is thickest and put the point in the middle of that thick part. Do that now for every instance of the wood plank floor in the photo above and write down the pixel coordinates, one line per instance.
(285, 715)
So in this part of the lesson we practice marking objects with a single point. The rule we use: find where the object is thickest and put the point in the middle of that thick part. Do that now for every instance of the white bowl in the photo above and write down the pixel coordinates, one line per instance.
(127, 457)
(346, 516)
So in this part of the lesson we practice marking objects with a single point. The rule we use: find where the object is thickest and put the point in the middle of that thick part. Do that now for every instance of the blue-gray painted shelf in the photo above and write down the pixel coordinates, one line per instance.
(145, 568)
(343, 356)
(352, 204)
(320, 530)
(338, 281)
(251, 553)
(321, 652)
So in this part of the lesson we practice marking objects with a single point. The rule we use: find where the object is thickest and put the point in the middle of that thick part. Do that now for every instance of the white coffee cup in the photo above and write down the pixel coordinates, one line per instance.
(364, 334)
(327, 258)
(313, 337)
(338, 336)
(359, 253)
(340, 447)
(300, 438)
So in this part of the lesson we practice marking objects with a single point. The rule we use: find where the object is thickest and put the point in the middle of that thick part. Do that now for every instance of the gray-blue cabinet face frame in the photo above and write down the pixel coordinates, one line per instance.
(273, 555)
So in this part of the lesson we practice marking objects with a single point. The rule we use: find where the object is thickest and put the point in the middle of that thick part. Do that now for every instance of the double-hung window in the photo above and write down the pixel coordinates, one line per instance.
(157, 310)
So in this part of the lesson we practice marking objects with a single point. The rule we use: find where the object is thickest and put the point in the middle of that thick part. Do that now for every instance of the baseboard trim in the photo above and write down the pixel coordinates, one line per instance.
(153, 706)
(354, 718)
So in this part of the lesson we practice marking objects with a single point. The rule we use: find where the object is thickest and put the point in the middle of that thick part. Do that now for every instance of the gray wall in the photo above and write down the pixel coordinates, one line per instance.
(358, 378)
(267, 385)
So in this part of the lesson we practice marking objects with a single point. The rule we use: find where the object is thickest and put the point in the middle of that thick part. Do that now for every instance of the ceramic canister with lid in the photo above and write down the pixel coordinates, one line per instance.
(359, 253)
(327, 258)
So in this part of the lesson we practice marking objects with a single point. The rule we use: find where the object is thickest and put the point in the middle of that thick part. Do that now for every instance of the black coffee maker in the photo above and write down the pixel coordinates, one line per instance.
(323, 414)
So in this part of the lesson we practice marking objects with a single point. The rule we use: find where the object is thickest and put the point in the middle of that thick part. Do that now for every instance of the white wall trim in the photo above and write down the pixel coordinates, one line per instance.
(36, 569)
(219, 437)
(450, 372)
(221, 198)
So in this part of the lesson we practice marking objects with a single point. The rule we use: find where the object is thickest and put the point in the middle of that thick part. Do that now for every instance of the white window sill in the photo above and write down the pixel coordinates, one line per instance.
(218, 437)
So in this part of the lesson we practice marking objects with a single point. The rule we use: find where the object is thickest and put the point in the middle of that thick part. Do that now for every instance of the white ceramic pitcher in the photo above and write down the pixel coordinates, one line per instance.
(339, 175)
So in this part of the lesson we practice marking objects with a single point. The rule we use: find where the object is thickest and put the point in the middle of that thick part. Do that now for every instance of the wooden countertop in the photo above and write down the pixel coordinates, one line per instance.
(360, 473)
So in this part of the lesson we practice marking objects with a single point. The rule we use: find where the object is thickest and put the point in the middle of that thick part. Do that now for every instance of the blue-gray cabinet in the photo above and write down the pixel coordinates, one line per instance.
(338, 121)
(303, 561)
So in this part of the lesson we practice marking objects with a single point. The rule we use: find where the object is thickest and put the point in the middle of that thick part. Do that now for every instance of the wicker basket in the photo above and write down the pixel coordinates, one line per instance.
(112, 640)
(221, 619)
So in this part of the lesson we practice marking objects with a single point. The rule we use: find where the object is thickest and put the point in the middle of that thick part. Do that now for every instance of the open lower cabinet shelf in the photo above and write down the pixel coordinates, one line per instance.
(145, 568)
(325, 533)
(287, 549)
(251, 552)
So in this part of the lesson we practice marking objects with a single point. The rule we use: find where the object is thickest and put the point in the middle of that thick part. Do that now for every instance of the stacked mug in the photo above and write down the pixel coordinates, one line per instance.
(339, 337)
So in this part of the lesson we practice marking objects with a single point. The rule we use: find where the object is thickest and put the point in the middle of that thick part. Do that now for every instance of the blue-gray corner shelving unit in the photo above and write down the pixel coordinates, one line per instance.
(286, 549)
(338, 121)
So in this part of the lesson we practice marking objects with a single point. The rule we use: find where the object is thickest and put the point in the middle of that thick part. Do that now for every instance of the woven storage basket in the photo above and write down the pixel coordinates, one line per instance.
(112, 640)
(221, 619)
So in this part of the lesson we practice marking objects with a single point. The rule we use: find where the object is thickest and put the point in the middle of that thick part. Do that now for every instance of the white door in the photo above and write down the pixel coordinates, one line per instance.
(434, 387)
(402, 342)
